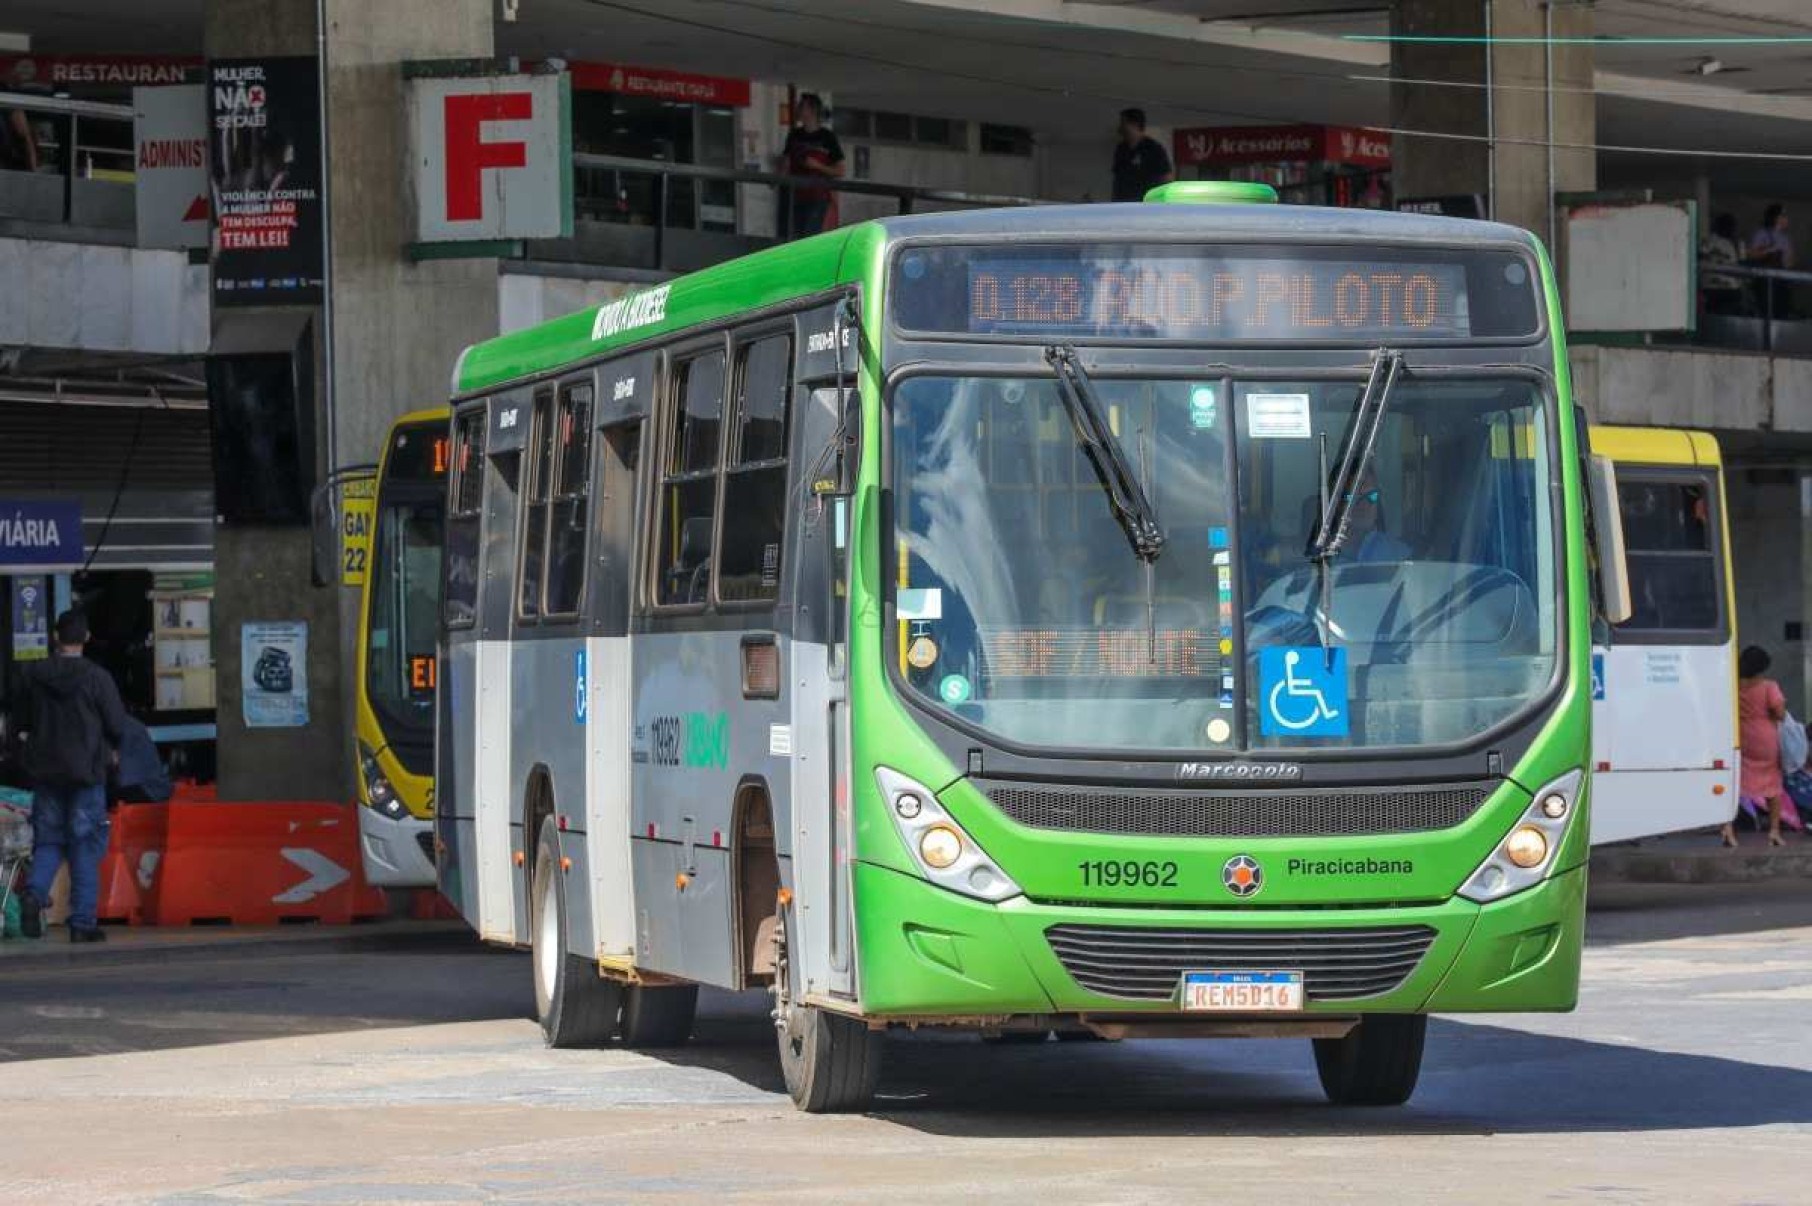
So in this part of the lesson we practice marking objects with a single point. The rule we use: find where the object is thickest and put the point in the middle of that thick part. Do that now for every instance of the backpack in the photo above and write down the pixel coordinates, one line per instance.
(1793, 744)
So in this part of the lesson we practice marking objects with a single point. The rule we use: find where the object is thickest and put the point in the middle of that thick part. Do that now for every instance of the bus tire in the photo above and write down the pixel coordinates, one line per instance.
(831, 1063)
(659, 1016)
(574, 1004)
(1376, 1063)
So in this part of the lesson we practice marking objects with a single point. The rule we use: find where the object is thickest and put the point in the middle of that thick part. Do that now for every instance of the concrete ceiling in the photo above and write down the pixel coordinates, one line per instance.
(1063, 68)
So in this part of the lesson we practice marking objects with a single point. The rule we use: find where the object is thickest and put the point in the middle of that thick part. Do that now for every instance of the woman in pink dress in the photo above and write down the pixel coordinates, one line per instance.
(1760, 709)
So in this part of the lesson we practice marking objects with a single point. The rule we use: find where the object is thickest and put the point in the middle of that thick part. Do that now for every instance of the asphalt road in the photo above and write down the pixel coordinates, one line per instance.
(410, 1075)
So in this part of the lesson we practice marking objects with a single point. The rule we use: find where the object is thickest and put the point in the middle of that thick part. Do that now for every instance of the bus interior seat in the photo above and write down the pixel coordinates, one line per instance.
(690, 578)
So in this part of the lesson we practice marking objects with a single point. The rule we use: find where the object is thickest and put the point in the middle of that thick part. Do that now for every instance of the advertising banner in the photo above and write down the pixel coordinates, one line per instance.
(87, 73)
(171, 161)
(684, 86)
(493, 157)
(31, 620)
(1231, 146)
(40, 533)
(273, 674)
(264, 127)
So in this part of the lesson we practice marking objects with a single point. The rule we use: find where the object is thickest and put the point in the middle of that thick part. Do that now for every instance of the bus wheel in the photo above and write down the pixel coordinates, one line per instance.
(831, 1063)
(1377, 1063)
(575, 1006)
(659, 1016)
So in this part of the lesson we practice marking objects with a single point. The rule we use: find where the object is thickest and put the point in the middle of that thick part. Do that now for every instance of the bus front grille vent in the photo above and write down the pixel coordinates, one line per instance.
(1257, 812)
(1147, 964)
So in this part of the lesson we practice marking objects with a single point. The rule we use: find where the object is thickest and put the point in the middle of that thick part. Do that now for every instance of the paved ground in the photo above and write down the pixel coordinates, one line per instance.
(404, 1072)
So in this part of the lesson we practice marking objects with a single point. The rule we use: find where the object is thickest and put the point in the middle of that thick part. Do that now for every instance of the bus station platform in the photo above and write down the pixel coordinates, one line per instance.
(1700, 858)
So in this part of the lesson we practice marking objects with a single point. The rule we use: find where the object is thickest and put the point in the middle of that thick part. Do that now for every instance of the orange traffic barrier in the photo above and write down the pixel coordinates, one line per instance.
(129, 871)
(260, 864)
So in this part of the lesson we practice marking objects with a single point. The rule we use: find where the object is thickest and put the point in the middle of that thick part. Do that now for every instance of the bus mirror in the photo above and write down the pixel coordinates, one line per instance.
(1607, 527)
(836, 476)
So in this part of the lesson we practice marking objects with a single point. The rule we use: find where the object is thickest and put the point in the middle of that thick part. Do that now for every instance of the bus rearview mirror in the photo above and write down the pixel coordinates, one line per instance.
(1607, 526)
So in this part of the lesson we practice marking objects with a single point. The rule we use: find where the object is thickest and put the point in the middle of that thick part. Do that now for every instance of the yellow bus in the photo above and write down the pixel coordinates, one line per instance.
(1664, 739)
(397, 665)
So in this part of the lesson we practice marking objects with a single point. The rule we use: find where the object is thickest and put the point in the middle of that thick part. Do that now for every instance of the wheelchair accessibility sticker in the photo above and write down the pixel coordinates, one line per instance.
(581, 688)
(1304, 694)
(1597, 676)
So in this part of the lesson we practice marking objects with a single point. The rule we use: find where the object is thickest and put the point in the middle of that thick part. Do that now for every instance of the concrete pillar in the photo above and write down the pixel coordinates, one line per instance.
(397, 329)
(1502, 146)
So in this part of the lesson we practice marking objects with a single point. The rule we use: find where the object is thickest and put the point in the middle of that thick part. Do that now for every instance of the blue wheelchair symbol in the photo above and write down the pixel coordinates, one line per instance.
(1304, 695)
(579, 687)
(1597, 676)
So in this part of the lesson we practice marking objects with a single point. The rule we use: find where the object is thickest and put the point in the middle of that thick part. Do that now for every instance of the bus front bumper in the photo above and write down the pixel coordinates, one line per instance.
(929, 955)
(396, 852)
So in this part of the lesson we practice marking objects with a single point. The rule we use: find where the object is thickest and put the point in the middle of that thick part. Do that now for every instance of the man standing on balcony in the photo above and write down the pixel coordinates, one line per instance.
(811, 150)
(1140, 162)
(1772, 247)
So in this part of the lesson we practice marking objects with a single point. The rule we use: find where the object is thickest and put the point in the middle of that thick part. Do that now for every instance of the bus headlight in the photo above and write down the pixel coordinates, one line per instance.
(946, 855)
(1525, 856)
(379, 792)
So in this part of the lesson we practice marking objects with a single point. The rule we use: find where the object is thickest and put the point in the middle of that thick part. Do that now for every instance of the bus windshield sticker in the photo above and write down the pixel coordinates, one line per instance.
(954, 689)
(1278, 417)
(925, 603)
(1202, 407)
(1219, 730)
(1304, 692)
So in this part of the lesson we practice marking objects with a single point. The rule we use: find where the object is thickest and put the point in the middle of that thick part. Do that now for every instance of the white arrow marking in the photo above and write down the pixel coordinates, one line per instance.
(323, 874)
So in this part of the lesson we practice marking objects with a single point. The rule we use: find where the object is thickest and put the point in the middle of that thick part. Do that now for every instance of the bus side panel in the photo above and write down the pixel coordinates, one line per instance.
(696, 740)
(494, 795)
(1663, 725)
(608, 785)
(455, 750)
(546, 721)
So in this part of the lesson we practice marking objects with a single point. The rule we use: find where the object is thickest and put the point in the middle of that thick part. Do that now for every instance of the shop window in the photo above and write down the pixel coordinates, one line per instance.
(893, 127)
(689, 482)
(853, 123)
(755, 480)
(539, 488)
(568, 515)
(461, 592)
(1675, 580)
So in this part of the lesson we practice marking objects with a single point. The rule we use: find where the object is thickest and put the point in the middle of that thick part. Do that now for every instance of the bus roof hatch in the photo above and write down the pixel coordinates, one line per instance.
(1212, 192)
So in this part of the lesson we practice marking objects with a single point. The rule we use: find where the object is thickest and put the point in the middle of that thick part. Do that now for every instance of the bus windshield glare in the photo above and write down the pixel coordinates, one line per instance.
(1022, 609)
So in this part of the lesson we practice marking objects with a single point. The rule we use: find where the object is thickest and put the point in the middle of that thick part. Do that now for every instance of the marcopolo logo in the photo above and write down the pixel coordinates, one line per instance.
(1240, 772)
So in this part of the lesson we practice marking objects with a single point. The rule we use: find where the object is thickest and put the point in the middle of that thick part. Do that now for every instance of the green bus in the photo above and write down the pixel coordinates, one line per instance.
(1168, 619)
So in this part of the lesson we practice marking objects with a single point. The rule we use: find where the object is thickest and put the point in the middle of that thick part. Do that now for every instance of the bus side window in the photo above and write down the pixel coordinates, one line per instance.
(467, 496)
(1674, 567)
(567, 518)
(689, 483)
(534, 528)
(755, 478)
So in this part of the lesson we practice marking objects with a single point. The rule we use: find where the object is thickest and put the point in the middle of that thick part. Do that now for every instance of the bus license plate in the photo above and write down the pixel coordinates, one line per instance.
(1242, 992)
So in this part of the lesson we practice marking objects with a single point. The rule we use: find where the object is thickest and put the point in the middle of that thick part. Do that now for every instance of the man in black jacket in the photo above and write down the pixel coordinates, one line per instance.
(70, 717)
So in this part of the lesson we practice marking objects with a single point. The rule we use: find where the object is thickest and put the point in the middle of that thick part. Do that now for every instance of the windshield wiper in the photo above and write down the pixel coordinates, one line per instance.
(1337, 504)
(1136, 516)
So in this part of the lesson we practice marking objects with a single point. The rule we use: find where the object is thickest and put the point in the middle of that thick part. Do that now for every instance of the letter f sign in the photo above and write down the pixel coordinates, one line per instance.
(468, 154)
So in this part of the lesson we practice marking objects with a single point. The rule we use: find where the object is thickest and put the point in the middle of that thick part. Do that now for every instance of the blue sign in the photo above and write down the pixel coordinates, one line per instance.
(1597, 676)
(580, 687)
(39, 533)
(1303, 692)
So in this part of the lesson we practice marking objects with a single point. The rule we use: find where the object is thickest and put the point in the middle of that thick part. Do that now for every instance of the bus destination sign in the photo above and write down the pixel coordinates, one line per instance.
(1234, 300)
(1215, 294)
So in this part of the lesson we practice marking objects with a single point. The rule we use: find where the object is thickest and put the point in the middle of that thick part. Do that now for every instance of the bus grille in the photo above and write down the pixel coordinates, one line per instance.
(1147, 964)
(1259, 812)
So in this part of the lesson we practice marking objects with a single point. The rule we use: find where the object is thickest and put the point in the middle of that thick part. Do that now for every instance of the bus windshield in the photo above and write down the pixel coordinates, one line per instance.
(400, 666)
(1022, 609)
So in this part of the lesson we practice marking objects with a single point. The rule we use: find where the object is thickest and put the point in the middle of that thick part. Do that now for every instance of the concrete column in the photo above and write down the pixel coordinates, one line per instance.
(397, 329)
(1501, 149)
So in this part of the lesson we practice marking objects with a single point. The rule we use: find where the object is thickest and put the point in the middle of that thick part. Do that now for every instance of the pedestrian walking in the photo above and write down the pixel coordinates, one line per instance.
(70, 719)
(1760, 709)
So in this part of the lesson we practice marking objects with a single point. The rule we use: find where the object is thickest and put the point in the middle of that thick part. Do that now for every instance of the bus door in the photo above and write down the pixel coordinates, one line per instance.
(494, 795)
(625, 392)
(823, 521)
(1663, 687)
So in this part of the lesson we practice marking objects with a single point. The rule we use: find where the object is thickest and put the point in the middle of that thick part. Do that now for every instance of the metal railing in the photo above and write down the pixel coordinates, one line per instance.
(1767, 312)
(84, 153)
(707, 206)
